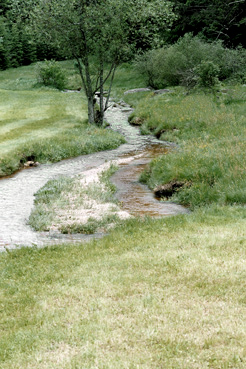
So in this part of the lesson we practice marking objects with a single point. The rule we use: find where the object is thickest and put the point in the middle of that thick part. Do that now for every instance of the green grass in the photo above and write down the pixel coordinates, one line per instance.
(211, 136)
(61, 201)
(92, 226)
(167, 293)
(25, 78)
(43, 123)
(164, 293)
(47, 199)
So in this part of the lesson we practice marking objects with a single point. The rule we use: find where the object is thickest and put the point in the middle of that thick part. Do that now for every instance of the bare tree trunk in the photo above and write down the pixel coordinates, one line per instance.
(91, 118)
(101, 93)
(87, 85)
(90, 94)
(110, 87)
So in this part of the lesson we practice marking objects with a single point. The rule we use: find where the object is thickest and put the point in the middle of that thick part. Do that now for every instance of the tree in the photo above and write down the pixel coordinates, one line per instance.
(97, 33)
(215, 19)
(16, 42)
(4, 47)
(4, 7)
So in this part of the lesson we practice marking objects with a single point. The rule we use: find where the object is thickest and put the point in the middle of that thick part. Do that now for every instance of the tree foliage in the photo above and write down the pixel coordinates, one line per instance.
(101, 32)
(18, 45)
(214, 19)
(191, 61)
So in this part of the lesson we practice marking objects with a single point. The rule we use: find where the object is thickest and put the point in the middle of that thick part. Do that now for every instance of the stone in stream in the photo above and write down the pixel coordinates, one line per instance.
(136, 121)
(162, 91)
(127, 110)
(31, 163)
(146, 89)
(97, 93)
(137, 90)
(168, 189)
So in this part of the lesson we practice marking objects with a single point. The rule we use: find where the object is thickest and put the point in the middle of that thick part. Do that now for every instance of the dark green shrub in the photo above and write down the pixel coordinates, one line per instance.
(179, 64)
(51, 74)
(3, 58)
(162, 67)
(29, 50)
(17, 46)
(207, 74)
(4, 49)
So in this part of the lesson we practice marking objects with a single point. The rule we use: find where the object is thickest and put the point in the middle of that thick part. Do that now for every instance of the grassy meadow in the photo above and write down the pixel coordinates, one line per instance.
(210, 131)
(44, 124)
(167, 293)
(163, 293)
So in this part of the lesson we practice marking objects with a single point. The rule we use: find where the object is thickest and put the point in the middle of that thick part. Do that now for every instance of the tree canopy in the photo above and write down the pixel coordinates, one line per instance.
(101, 32)
(223, 20)
(213, 19)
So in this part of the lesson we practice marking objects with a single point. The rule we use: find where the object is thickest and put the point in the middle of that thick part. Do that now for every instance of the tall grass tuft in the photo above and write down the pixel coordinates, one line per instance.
(211, 145)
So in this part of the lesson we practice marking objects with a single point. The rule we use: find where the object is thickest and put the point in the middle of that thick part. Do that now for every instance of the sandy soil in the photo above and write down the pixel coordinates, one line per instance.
(80, 212)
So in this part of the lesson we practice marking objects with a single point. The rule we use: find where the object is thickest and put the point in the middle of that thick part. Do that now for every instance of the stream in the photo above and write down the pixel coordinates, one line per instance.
(17, 192)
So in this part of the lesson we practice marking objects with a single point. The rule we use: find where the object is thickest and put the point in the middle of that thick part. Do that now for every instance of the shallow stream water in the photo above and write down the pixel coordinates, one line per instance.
(17, 192)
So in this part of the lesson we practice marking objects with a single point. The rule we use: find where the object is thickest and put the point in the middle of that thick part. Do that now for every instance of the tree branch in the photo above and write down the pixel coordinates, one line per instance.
(106, 78)
(110, 87)
(82, 75)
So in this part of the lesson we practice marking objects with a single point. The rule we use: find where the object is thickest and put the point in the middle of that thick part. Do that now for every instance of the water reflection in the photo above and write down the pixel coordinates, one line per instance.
(135, 197)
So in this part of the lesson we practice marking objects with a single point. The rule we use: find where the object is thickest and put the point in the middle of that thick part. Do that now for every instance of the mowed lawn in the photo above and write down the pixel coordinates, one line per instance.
(43, 123)
(34, 115)
(167, 293)
(155, 293)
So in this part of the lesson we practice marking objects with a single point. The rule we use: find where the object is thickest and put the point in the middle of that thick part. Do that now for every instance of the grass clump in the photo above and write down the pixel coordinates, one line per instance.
(47, 199)
(50, 73)
(211, 138)
(66, 204)
(93, 225)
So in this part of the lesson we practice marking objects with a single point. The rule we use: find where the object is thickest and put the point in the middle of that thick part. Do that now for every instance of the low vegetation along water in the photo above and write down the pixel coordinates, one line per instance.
(17, 192)
(163, 292)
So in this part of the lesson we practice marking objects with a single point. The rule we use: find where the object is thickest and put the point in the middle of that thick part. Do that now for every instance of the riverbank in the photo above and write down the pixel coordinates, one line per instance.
(209, 165)
(44, 125)
(54, 202)
(82, 204)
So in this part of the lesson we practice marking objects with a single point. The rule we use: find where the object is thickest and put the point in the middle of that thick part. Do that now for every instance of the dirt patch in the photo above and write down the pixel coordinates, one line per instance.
(82, 209)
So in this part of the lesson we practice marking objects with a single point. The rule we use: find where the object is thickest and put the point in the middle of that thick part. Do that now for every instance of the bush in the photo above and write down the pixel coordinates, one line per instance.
(207, 73)
(162, 67)
(51, 74)
(189, 61)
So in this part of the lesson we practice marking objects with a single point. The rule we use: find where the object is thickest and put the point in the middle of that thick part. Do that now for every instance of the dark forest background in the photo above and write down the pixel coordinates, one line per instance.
(211, 20)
